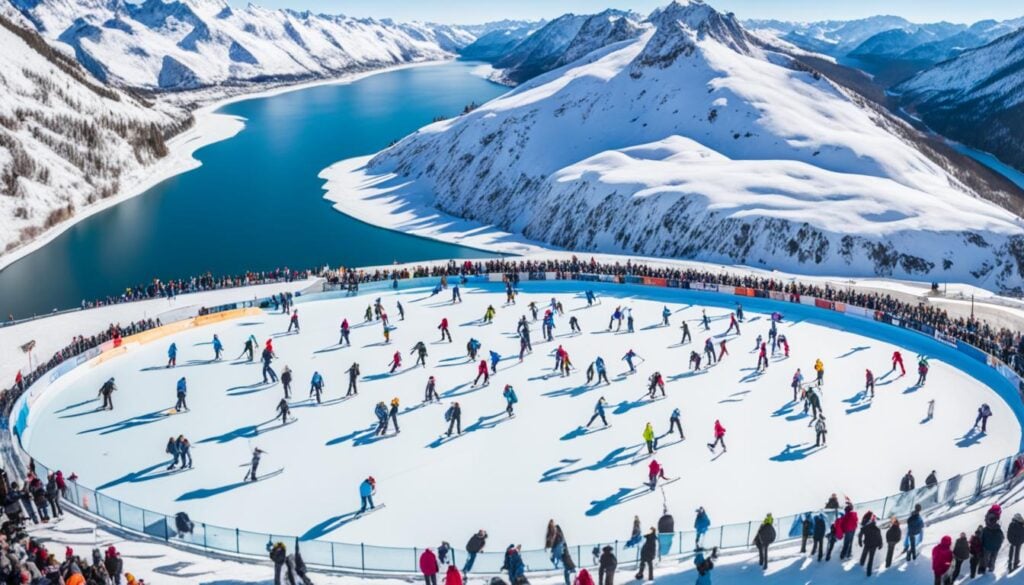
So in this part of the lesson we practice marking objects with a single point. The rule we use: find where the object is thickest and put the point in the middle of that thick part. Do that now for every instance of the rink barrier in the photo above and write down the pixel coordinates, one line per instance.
(371, 559)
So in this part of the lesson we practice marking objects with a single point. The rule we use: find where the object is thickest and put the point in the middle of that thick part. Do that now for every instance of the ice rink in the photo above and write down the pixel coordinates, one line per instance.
(510, 476)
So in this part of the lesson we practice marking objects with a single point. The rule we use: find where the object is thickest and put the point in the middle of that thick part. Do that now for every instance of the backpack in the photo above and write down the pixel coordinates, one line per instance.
(448, 414)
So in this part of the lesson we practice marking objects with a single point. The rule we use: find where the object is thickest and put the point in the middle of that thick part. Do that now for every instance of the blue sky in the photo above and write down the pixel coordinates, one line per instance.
(475, 11)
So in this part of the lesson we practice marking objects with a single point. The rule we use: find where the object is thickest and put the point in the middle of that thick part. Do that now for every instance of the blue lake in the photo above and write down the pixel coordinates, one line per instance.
(256, 203)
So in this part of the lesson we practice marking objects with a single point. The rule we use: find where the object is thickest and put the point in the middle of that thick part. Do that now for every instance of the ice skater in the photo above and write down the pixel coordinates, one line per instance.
(393, 414)
(686, 333)
(762, 357)
(283, 410)
(420, 349)
(286, 381)
(396, 362)
(430, 392)
(454, 418)
(353, 377)
(598, 413)
(722, 350)
(629, 357)
(820, 431)
(381, 412)
(482, 371)
(922, 370)
(456, 295)
(733, 324)
(675, 422)
(184, 451)
(106, 390)
(819, 370)
(495, 358)
(798, 380)
(511, 399)
(665, 314)
(254, 464)
(984, 412)
(897, 360)
(574, 325)
(648, 436)
(705, 320)
(344, 331)
(654, 383)
(869, 383)
(294, 322)
(182, 390)
(367, 489)
(172, 355)
(248, 349)
(719, 438)
(268, 372)
(316, 386)
(218, 348)
(709, 351)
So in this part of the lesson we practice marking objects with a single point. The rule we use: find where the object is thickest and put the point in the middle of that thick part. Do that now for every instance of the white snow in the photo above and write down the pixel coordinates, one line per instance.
(510, 476)
(630, 151)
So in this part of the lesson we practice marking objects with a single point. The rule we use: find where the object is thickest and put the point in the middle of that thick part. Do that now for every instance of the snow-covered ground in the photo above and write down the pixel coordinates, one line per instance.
(511, 475)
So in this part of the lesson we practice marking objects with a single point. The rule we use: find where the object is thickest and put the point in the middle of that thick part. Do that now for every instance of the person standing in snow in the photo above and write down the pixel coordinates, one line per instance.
(254, 464)
(396, 362)
(172, 355)
(705, 320)
(181, 390)
(665, 314)
(598, 413)
(762, 357)
(510, 399)
(629, 357)
(249, 348)
(482, 371)
(353, 376)
(456, 294)
(675, 422)
(316, 386)
(393, 414)
(733, 324)
(445, 332)
(495, 358)
(602, 373)
(218, 348)
(820, 431)
(344, 331)
(819, 369)
(961, 552)
(294, 322)
(286, 381)
(709, 351)
(869, 383)
(574, 325)
(655, 382)
(172, 450)
(420, 349)
(367, 489)
(764, 538)
(818, 536)
(647, 553)
(922, 370)
(381, 412)
(283, 410)
(268, 372)
(701, 524)
(106, 390)
(719, 437)
(915, 532)
(1015, 538)
(429, 567)
(722, 350)
(892, 536)
(686, 333)
(695, 361)
(897, 360)
(454, 417)
(872, 543)
(654, 472)
(942, 559)
(649, 438)
(430, 393)
(984, 411)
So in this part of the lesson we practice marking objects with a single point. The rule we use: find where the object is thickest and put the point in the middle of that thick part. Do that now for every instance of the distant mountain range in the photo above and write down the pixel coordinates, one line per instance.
(698, 139)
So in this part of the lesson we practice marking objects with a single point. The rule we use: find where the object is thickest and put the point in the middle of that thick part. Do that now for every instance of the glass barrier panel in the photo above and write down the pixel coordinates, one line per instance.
(219, 538)
(346, 556)
(253, 543)
(734, 535)
(131, 518)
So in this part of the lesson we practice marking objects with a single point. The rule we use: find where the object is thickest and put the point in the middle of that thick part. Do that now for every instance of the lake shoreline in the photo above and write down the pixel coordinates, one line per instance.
(210, 127)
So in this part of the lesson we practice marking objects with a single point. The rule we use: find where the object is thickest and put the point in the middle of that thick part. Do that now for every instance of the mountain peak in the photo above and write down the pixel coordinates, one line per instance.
(683, 23)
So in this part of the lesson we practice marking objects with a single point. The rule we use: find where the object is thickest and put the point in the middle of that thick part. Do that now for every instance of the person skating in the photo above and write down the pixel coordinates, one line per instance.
(606, 565)
(812, 401)
(819, 369)
(456, 294)
(897, 360)
(248, 349)
(344, 331)
(316, 386)
(367, 489)
(701, 524)
(798, 380)
(1015, 538)
(495, 358)
(454, 417)
(984, 412)
(430, 393)
(722, 350)
(353, 377)
(893, 535)
(396, 362)
(709, 351)
(286, 381)
(510, 293)
(942, 559)
(694, 361)
(649, 438)
(284, 410)
(647, 553)
(869, 383)
(655, 471)
(654, 383)
(629, 357)
(393, 414)
(381, 412)
(294, 322)
(922, 370)
(665, 314)
(784, 342)
(762, 357)
(705, 320)
(268, 372)
(602, 371)
(218, 348)
(472, 347)
(616, 318)
(733, 324)
(181, 390)
(254, 464)
(686, 333)
(184, 451)
(172, 355)
(420, 349)
(820, 431)
(598, 413)
(172, 450)
(574, 325)
(719, 437)
(872, 543)
(511, 399)
(482, 371)
(675, 422)
(489, 314)
(106, 390)
(387, 332)
(763, 539)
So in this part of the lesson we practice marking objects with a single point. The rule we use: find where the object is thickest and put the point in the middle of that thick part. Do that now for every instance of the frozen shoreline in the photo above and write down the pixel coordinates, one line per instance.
(210, 127)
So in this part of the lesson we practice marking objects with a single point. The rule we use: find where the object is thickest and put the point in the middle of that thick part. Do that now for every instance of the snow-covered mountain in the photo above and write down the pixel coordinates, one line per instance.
(495, 44)
(976, 98)
(182, 44)
(832, 37)
(66, 140)
(695, 140)
(563, 40)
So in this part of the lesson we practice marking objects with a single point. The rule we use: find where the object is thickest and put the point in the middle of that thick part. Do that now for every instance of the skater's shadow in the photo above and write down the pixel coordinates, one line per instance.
(129, 423)
(487, 422)
(76, 405)
(248, 323)
(853, 350)
(328, 526)
(622, 495)
(687, 374)
(855, 399)
(454, 392)
(626, 406)
(654, 326)
(859, 407)
(577, 433)
(785, 409)
(311, 402)
(352, 436)
(617, 457)
(570, 391)
(204, 493)
(971, 438)
(465, 361)
(378, 344)
(284, 334)
(752, 376)
(365, 440)
(331, 348)
(795, 452)
(250, 389)
(735, 397)
(188, 364)
(912, 389)
(145, 474)
(797, 416)
(926, 420)
(245, 432)
(384, 375)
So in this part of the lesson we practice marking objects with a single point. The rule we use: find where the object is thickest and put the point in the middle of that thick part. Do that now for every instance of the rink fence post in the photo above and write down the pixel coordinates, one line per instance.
(680, 542)
(144, 526)
(579, 558)
(721, 535)
(414, 559)
(885, 506)
(332, 555)
(362, 556)
(167, 528)
(749, 525)
(237, 547)
(119, 522)
(204, 534)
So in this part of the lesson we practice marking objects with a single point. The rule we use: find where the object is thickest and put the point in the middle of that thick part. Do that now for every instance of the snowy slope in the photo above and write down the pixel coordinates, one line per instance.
(976, 98)
(694, 142)
(180, 44)
(493, 45)
(66, 140)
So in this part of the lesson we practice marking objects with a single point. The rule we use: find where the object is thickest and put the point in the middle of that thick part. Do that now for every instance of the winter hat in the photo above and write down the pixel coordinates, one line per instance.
(1018, 518)
(130, 579)
(69, 552)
